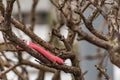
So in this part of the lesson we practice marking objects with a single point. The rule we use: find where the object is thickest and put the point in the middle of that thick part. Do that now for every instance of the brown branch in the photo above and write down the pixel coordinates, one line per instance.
(115, 56)
(12, 48)
(9, 47)
(37, 66)
(94, 40)
(56, 76)
(15, 70)
(8, 15)
(65, 68)
(19, 11)
(32, 19)
(32, 35)
(93, 15)
(68, 69)
(60, 7)
(88, 23)
(99, 39)
(2, 68)
(2, 8)
(41, 75)
(36, 38)
(5, 39)
(9, 69)
(70, 37)
(13, 38)
(25, 47)
(84, 7)
(56, 33)
(90, 27)
(56, 5)
(112, 20)
(114, 32)
(99, 8)
(102, 71)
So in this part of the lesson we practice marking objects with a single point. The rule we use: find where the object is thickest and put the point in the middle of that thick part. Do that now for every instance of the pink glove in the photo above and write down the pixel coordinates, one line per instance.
(47, 54)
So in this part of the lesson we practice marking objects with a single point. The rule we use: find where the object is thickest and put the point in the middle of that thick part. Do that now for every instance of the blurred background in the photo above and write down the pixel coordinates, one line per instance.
(45, 13)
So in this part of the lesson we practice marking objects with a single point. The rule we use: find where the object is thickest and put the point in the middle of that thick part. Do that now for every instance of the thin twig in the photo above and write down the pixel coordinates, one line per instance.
(32, 19)
(19, 11)
(6, 71)
(103, 71)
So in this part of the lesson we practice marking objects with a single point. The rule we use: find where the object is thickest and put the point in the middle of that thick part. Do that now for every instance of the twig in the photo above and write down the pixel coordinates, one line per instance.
(41, 75)
(60, 7)
(6, 71)
(2, 68)
(94, 40)
(66, 43)
(19, 11)
(56, 75)
(2, 8)
(68, 69)
(8, 13)
(103, 71)
(99, 8)
(35, 37)
(32, 19)
(32, 35)
(14, 70)
(90, 27)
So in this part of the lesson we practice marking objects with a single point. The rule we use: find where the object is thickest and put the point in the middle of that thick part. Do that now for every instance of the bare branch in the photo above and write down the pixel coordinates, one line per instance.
(102, 71)
(35, 2)
(4, 72)
(91, 28)
(94, 40)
